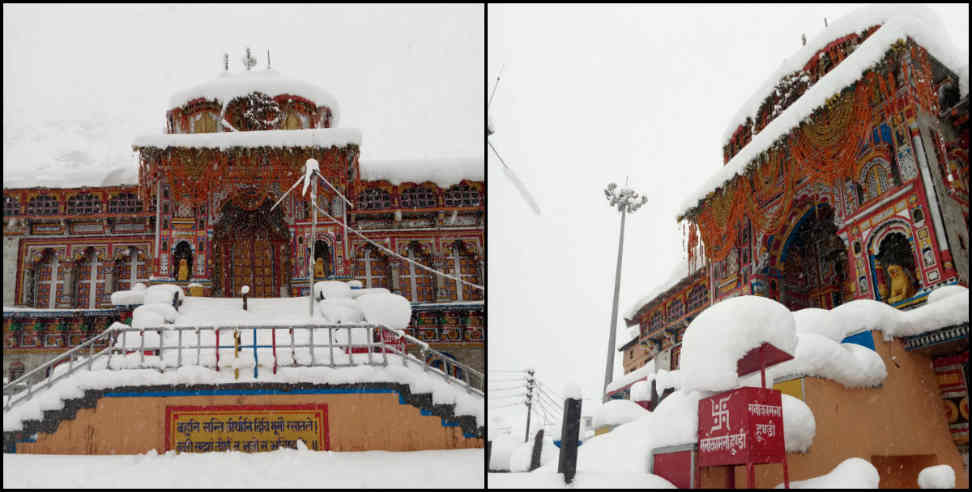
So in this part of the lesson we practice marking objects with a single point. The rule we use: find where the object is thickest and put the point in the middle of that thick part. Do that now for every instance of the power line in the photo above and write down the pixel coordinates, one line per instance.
(522, 371)
(507, 406)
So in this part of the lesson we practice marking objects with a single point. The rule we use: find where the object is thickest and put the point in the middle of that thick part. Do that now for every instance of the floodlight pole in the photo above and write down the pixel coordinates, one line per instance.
(626, 201)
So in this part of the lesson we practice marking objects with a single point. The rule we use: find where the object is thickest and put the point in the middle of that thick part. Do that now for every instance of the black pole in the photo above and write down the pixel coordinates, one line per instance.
(489, 445)
(529, 404)
(569, 433)
(537, 450)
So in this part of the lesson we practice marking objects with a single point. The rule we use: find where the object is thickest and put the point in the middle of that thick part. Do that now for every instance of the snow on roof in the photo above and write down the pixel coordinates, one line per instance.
(442, 172)
(899, 22)
(316, 137)
(722, 334)
(617, 412)
(680, 270)
(645, 371)
(229, 85)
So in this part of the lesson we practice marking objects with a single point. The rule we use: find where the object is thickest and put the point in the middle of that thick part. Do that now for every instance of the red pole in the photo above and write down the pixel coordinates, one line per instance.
(217, 350)
(786, 473)
(274, 333)
(750, 476)
(731, 479)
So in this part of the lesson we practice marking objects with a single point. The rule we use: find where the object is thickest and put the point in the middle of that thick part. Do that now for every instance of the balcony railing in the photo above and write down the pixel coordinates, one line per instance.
(242, 347)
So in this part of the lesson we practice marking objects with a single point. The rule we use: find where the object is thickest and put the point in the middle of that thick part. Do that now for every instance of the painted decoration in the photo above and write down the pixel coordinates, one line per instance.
(741, 426)
(247, 428)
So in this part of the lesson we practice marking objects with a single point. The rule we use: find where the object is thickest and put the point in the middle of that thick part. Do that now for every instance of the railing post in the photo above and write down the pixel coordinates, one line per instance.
(293, 353)
(161, 352)
(141, 349)
(198, 347)
(91, 353)
(350, 347)
(311, 344)
(371, 344)
(179, 357)
(425, 362)
(273, 334)
(256, 360)
(384, 349)
(216, 328)
(330, 343)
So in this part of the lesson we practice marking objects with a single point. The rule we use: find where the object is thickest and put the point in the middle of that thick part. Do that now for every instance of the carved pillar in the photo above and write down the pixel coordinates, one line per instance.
(396, 268)
(109, 277)
(68, 287)
(439, 263)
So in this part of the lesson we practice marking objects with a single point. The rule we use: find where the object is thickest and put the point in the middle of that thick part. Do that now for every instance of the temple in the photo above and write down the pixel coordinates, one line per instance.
(202, 216)
(845, 177)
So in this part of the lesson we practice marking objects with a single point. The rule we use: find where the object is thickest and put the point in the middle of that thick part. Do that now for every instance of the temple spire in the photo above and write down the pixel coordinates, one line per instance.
(248, 60)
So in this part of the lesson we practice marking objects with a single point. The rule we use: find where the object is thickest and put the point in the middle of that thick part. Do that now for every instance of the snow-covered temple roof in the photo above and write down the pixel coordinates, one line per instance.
(228, 86)
(316, 137)
(442, 172)
(898, 22)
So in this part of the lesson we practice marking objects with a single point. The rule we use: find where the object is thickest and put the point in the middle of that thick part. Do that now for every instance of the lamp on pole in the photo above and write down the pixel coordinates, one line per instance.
(627, 201)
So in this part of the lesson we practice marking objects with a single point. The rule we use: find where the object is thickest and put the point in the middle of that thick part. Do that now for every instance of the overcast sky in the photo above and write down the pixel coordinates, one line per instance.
(81, 81)
(591, 95)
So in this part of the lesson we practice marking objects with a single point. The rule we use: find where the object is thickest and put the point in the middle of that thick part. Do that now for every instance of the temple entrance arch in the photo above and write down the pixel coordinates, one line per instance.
(323, 252)
(813, 262)
(250, 248)
(893, 261)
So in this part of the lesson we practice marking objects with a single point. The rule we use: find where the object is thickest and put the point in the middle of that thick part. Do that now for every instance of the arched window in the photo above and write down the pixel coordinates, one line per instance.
(43, 205)
(876, 181)
(462, 195)
(419, 197)
(371, 267)
(11, 206)
(374, 199)
(131, 269)
(462, 264)
(293, 122)
(417, 283)
(90, 280)
(48, 279)
(84, 204)
(205, 123)
(124, 203)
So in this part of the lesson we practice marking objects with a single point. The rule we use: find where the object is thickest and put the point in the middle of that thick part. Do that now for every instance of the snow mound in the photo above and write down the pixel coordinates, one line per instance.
(572, 390)
(332, 289)
(799, 424)
(641, 391)
(852, 473)
(501, 452)
(127, 297)
(355, 293)
(442, 172)
(937, 477)
(340, 311)
(617, 412)
(850, 364)
(947, 291)
(162, 294)
(390, 310)
(153, 315)
(722, 334)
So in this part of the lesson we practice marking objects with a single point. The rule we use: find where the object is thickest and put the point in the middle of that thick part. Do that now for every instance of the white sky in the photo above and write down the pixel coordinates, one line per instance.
(81, 81)
(590, 95)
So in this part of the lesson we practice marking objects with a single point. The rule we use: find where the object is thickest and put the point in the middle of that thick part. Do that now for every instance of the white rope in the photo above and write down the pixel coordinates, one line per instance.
(446, 275)
(333, 188)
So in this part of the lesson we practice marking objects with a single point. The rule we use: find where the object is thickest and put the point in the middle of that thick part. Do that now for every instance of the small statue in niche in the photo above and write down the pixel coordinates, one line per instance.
(183, 272)
(319, 268)
(882, 284)
(902, 286)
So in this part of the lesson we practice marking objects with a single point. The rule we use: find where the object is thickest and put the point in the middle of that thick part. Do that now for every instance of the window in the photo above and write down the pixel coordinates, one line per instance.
(419, 197)
(374, 199)
(293, 122)
(83, 204)
(461, 263)
(124, 203)
(10, 206)
(675, 310)
(43, 205)
(371, 267)
(697, 297)
(205, 123)
(462, 195)
(656, 321)
(876, 181)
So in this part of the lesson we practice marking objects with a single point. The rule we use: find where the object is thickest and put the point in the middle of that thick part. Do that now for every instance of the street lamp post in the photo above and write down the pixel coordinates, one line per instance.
(627, 201)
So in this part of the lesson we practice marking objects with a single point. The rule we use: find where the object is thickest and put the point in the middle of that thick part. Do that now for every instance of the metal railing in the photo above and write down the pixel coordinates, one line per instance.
(371, 347)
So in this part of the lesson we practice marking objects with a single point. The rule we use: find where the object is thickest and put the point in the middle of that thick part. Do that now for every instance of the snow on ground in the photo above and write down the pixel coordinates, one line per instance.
(899, 22)
(723, 333)
(937, 477)
(852, 473)
(442, 172)
(462, 468)
(546, 479)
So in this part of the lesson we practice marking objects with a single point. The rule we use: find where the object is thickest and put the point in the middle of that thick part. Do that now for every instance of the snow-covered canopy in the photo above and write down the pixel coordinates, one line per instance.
(680, 270)
(722, 334)
(442, 172)
(898, 22)
(229, 85)
(617, 412)
(316, 137)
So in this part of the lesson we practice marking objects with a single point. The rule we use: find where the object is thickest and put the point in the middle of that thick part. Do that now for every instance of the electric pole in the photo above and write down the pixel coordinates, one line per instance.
(529, 402)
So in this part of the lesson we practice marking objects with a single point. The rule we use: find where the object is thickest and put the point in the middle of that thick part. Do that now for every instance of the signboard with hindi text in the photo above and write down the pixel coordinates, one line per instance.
(741, 426)
(247, 428)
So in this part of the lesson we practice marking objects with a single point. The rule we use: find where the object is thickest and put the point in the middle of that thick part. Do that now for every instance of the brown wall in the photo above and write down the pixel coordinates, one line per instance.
(904, 419)
(356, 422)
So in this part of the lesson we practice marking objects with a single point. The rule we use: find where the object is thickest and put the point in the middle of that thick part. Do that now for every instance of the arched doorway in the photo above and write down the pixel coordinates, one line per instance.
(814, 262)
(249, 248)
(895, 251)
(325, 268)
(183, 251)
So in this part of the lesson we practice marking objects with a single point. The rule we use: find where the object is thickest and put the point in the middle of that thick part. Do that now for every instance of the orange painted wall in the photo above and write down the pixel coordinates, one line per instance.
(903, 417)
(356, 421)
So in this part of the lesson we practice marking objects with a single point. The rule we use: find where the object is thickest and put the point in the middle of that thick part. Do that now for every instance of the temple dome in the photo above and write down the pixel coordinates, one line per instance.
(228, 86)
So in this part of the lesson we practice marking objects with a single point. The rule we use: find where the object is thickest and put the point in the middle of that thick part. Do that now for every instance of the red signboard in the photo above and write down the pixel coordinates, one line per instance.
(741, 426)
